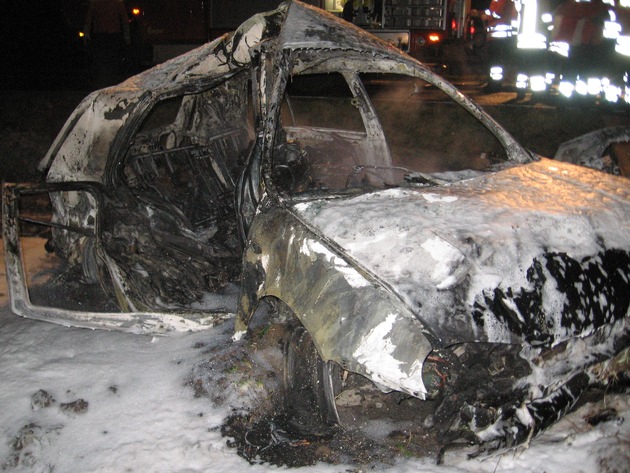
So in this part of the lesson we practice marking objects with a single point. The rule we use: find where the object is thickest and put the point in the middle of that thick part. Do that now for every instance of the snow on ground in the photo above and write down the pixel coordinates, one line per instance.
(77, 400)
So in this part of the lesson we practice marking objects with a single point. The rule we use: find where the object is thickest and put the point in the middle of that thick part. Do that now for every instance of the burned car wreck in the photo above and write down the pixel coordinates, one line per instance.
(407, 238)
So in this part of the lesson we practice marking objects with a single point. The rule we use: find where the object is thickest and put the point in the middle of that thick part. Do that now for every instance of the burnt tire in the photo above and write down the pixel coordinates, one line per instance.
(310, 384)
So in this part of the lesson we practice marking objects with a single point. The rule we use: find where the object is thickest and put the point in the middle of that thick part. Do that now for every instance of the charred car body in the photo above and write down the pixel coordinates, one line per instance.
(490, 280)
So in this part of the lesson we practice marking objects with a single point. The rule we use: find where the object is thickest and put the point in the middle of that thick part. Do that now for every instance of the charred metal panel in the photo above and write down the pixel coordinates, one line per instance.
(352, 319)
(495, 396)
(308, 27)
(82, 149)
(589, 149)
(499, 291)
(568, 370)
(83, 154)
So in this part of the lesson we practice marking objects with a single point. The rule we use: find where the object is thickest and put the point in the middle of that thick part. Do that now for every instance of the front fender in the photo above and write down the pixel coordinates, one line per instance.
(352, 318)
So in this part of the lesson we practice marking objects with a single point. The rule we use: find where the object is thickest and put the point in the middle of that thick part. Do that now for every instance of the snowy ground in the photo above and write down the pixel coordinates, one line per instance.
(117, 402)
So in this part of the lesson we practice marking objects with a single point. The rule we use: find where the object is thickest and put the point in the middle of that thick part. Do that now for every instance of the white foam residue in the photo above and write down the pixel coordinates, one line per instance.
(239, 335)
(139, 393)
(302, 206)
(381, 238)
(447, 283)
(446, 258)
(439, 198)
(312, 246)
(510, 304)
(350, 274)
(426, 244)
(494, 329)
(375, 352)
(523, 415)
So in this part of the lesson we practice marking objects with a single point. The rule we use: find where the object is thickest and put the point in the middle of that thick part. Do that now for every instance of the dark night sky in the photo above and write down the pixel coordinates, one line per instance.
(39, 47)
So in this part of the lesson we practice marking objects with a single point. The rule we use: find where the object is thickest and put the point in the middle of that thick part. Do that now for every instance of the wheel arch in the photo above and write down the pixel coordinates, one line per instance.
(353, 319)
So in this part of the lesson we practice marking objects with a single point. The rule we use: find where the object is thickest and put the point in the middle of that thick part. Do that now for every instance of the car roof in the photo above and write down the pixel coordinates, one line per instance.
(293, 26)
(86, 140)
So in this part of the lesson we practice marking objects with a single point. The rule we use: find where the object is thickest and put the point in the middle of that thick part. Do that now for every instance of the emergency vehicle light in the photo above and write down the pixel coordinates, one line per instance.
(528, 37)
(566, 88)
(594, 85)
(500, 31)
(496, 73)
(532, 41)
(580, 87)
(612, 93)
(537, 83)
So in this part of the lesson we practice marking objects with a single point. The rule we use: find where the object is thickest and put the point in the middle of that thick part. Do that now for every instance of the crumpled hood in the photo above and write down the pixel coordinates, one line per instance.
(536, 253)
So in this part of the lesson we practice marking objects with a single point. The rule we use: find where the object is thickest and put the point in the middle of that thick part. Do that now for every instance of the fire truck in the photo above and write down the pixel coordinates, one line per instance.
(569, 47)
(172, 27)
(162, 29)
(421, 28)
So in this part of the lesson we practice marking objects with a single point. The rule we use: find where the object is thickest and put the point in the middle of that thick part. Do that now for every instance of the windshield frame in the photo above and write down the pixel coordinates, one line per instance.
(351, 65)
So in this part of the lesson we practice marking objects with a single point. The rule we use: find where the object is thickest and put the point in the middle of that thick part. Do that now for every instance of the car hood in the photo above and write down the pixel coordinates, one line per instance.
(537, 253)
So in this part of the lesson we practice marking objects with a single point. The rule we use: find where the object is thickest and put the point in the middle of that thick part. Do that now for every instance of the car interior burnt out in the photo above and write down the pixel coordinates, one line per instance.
(174, 186)
(349, 133)
(409, 247)
(179, 173)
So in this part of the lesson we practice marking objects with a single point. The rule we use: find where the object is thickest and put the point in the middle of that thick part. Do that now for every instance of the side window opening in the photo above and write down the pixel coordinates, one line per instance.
(321, 136)
(426, 130)
(190, 149)
(392, 130)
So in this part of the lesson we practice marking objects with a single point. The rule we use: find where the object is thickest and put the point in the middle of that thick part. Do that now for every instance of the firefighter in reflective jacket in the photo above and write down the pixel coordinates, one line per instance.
(584, 35)
(580, 23)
